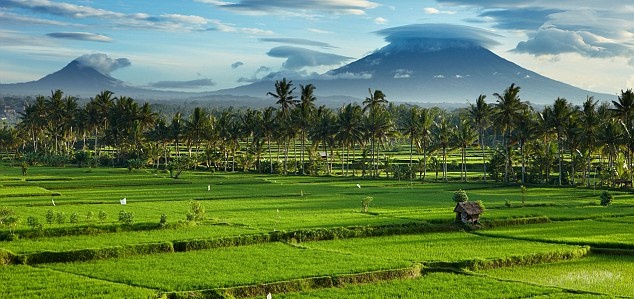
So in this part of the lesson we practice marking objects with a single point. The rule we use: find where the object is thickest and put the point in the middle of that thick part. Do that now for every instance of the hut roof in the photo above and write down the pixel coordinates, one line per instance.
(471, 208)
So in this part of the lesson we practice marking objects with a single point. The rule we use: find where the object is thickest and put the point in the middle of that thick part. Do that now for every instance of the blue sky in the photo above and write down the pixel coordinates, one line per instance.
(201, 45)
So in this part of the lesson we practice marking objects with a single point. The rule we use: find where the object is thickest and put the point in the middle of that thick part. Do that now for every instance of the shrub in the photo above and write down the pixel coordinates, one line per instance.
(50, 217)
(523, 190)
(460, 196)
(74, 218)
(90, 215)
(163, 221)
(25, 168)
(126, 218)
(365, 203)
(60, 218)
(606, 198)
(33, 223)
(196, 211)
(8, 219)
(103, 216)
(507, 203)
(481, 205)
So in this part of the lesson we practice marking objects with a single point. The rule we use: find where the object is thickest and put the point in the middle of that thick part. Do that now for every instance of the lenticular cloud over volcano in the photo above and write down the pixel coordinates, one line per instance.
(438, 36)
(102, 63)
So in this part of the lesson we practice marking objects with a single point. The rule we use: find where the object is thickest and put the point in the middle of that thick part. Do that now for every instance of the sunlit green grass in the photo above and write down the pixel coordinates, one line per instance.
(225, 267)
(612, 275)
(446, 247)
(434, 285)
(19, 282)
(590, 232)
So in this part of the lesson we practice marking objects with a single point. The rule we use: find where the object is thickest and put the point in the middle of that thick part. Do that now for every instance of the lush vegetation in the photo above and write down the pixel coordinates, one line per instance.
(561, 144)
(110, 200)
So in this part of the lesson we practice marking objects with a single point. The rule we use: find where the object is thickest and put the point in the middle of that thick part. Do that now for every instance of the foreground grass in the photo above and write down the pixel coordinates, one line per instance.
(66, 243)
(226, 267)
(610, 234)
(611, 275)
(20, 282)
(438, 247)
(436, 285)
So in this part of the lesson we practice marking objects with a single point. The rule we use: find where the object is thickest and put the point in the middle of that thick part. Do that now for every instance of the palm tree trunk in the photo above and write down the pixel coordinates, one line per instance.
(268, 142)
(484, 162)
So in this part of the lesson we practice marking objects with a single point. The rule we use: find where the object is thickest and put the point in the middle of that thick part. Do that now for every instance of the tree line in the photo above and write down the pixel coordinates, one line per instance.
(559, 144)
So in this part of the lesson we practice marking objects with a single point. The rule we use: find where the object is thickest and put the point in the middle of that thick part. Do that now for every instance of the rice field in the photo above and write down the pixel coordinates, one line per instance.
(243, 205)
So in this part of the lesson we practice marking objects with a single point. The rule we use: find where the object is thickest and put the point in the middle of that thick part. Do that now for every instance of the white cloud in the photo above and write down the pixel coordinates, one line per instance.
(85, 36)
(306, 7)
(403, 74)
(435, 11)
(380, 21)
(297, 58)
(102, 63)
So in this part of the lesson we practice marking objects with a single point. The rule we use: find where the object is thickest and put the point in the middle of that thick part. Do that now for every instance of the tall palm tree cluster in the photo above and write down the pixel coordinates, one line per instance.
(503, 140)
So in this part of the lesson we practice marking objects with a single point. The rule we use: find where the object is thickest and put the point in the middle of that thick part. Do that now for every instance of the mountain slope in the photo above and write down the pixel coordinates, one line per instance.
(80, 80)
(432, 71)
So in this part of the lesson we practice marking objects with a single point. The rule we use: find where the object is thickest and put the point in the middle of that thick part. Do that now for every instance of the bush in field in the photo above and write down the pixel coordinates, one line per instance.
(523, 190)
(8, 219)
(60, 218)
(74, 218)
(481, 205)
(606, 198)
(460, 196)
(178, 164)
(507, 203)
(126, 218)
(50, 217)
(365, 204)
(33, 223)
(90, 215)
(196, 211)
(163, 221)
(103, 216)
(135, 164)
(25, 168)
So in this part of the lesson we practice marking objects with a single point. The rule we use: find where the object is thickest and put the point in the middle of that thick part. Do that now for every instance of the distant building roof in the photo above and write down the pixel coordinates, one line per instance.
(469, 207)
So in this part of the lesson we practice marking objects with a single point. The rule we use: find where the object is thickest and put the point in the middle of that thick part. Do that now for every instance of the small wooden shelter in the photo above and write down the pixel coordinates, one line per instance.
(468, 212)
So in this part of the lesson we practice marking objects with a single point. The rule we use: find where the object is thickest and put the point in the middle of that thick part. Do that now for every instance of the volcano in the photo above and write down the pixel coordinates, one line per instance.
(431, 70)
(79, 80)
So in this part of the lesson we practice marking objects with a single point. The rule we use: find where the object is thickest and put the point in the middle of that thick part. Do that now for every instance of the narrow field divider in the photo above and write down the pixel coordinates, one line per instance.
(302, 284)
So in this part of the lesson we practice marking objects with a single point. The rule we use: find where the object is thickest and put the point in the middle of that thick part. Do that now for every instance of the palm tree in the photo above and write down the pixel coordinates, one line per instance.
(624, 110)
(527, 129)
(266, 130)
(196, 125)
(590, 123)
(349, 130)
(323, 132)
(480, 115)
(33, 121)
(505, 114)
(444, 134)
(305, 116)
(374, 104)
(98, 109)
(465, 135)
(284, 95)
(558, 120)
(425, 135)
(411, 128)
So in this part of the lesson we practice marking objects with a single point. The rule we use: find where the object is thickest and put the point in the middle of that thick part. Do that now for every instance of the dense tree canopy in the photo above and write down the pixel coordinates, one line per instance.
(300, 137)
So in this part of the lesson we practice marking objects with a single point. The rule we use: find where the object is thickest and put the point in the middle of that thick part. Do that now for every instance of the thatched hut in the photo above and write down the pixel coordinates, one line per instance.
(468, 212)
